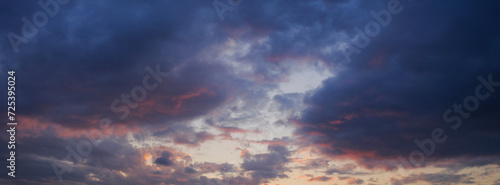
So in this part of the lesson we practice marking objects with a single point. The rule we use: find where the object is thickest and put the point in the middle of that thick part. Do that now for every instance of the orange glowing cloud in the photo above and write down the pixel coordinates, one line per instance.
(244, 153)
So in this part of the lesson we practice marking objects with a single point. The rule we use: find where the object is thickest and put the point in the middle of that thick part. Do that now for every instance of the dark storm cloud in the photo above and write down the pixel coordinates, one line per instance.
(397, 89)
(91, 53)
(80, 58)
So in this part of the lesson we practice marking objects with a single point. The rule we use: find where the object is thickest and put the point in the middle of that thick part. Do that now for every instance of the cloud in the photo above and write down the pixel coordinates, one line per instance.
(268, 166)
(88, 63)
(353, 181)
(374, 114)
(112, 161)
(239, 76)
(184, 135)
(319, 179)
(434, 179)
(164, 159)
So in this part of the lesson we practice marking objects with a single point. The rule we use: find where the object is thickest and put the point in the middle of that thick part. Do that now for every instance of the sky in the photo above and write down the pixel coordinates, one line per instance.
(252, 92)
